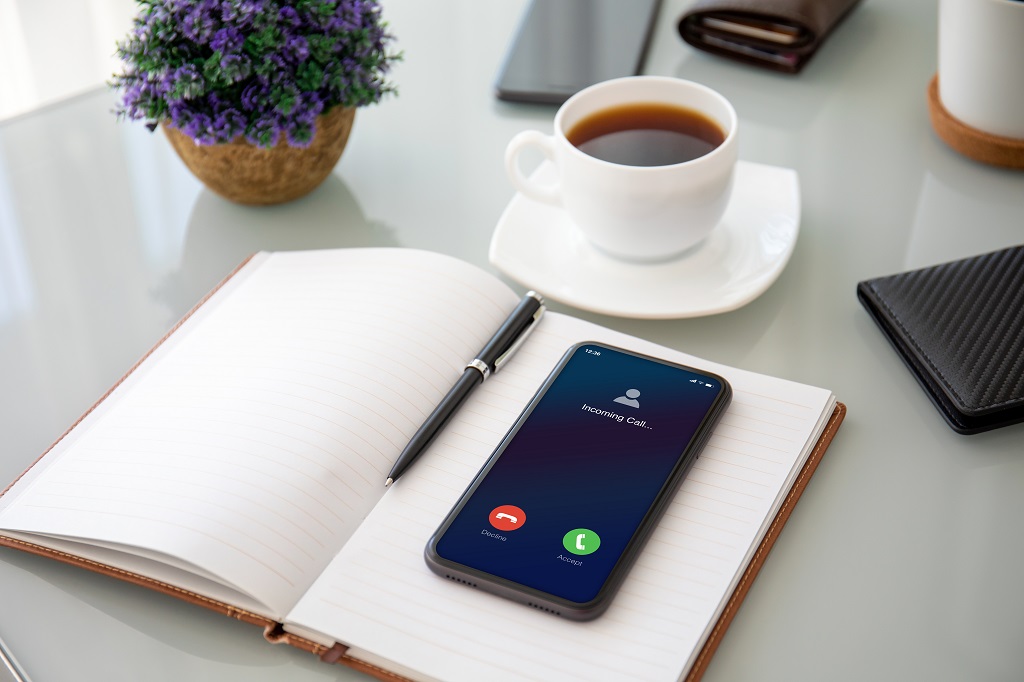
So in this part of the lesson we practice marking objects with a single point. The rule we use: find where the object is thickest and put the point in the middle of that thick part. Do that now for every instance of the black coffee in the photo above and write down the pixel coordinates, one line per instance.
(646, 134)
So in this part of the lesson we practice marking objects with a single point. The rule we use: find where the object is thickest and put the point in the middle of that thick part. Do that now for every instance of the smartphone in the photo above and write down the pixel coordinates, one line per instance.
(562, 46)
(561, 509)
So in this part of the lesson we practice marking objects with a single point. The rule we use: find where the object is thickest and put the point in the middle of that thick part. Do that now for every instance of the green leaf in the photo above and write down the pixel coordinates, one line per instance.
(212, 70)
(321, 48)
(309, 76)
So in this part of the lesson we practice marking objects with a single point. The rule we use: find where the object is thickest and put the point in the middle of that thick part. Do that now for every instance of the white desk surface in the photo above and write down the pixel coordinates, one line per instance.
(903, 558)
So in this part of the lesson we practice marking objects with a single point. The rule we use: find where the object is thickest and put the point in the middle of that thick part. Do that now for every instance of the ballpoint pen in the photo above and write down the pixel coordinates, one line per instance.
(499, 349)
(8, 663)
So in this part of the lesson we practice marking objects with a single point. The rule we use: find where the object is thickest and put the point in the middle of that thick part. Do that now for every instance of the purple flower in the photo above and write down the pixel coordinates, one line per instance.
(185, 82)
(227, 40)
(228, 124)
(217, 69)
(289, 16)
(297, 48)
(250, 97)
(263, 132)
(198, 24)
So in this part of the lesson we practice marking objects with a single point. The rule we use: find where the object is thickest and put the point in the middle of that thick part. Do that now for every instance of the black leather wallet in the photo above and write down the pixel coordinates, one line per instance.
(959, 327)
(776, 34)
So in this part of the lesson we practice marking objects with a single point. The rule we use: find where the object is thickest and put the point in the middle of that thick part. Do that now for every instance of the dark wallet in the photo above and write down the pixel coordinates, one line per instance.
(959, 327)
(776, 34)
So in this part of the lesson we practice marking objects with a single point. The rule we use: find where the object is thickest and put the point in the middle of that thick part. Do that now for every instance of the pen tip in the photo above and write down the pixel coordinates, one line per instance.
(387, 483)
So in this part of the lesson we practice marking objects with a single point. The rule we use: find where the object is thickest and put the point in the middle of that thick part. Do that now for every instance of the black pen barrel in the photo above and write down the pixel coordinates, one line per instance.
(519, 320)
(437, 420)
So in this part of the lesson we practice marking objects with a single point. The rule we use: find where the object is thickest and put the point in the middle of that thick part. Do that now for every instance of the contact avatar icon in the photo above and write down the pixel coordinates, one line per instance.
(630, 398)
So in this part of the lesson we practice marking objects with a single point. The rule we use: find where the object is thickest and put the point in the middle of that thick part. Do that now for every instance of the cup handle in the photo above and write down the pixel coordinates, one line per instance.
(548, 194)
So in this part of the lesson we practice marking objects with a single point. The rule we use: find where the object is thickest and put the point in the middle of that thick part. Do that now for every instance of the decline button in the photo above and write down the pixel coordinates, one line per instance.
(507, 517)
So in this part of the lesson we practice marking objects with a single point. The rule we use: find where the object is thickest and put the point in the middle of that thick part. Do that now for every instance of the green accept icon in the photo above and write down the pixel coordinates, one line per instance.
(581, 541)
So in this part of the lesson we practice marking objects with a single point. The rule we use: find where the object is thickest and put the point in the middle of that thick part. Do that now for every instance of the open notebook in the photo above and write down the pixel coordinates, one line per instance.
(240, 465)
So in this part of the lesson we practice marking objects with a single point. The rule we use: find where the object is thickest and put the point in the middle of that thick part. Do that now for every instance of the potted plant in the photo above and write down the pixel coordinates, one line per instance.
(256, 96)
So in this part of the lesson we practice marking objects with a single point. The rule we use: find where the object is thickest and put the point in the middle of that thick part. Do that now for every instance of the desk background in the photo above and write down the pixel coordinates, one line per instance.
(903, 558)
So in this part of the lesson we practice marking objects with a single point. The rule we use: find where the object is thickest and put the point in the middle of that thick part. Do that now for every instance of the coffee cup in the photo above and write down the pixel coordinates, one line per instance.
(643, 164)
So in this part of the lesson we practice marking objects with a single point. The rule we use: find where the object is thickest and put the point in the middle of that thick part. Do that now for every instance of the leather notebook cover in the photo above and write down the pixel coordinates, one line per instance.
(338, 654)
(273, 631)
(754, 567)
(775, 34)
(959, 327)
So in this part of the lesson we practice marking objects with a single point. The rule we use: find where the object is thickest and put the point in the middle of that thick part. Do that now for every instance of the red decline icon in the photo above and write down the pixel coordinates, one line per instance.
(507, 517)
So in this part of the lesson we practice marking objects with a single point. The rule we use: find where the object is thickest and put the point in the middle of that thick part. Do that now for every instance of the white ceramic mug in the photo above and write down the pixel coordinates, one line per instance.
(981, 57)
(639, 213)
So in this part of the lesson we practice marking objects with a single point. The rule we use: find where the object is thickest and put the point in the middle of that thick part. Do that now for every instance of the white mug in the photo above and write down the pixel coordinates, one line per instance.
(638, 213)
(981, 64)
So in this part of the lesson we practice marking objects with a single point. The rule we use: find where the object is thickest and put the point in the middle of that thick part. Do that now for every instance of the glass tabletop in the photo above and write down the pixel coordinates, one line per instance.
(901, 559)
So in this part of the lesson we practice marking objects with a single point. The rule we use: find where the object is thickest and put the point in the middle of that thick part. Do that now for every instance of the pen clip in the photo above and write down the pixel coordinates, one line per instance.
(507, 355)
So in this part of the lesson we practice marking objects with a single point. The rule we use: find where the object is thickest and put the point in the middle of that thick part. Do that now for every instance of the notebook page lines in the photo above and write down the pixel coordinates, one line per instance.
(450, 613)
(257, 446)
(675, 587)
(428, 493)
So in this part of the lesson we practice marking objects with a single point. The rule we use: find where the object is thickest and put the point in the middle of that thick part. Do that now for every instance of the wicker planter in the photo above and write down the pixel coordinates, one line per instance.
(247, 174)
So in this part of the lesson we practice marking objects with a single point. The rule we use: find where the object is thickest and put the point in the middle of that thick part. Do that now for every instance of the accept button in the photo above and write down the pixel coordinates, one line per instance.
(581, 541)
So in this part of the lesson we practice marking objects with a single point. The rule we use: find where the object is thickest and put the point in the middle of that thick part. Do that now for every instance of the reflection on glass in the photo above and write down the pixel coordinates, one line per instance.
(16, 293)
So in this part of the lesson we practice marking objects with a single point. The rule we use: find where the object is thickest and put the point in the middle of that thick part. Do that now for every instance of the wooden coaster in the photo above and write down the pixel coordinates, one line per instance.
(971, 142)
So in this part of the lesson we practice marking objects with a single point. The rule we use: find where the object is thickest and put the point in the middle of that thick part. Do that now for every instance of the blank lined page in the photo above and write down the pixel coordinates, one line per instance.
(257, 438)
(379, 597)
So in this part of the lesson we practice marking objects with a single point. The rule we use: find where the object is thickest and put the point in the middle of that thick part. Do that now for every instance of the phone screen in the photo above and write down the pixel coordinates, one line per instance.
(568, 493)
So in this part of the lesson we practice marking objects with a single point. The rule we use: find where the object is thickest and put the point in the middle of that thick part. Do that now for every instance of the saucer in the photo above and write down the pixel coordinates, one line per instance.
(540, 247)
